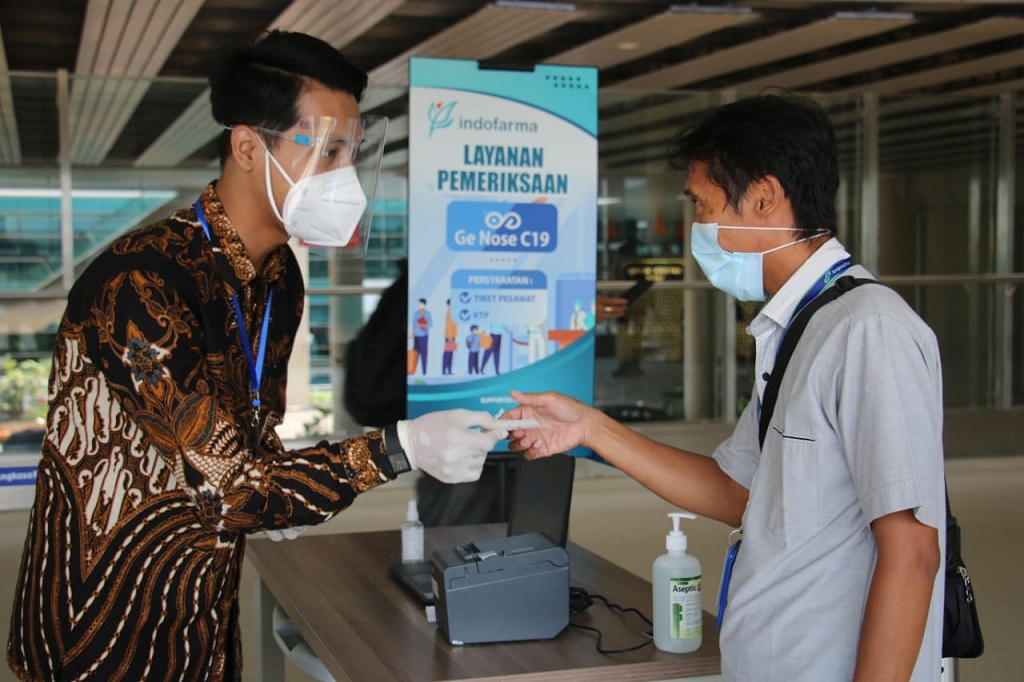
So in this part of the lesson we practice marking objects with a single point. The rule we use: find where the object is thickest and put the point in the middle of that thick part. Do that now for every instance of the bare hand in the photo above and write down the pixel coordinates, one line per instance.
(610, 308)
(561, 421)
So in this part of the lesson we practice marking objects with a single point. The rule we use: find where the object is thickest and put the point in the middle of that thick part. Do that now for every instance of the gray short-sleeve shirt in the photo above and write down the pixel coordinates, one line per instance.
(856, 434)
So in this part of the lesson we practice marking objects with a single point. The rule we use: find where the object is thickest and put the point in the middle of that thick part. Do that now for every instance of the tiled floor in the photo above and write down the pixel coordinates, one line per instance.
(615, 517)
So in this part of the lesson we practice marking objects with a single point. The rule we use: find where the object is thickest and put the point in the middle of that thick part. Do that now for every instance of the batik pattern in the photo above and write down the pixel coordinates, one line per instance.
(152, 472)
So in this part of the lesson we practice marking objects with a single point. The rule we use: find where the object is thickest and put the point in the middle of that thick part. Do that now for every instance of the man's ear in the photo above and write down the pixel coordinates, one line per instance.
(769, 195)
(246, 148)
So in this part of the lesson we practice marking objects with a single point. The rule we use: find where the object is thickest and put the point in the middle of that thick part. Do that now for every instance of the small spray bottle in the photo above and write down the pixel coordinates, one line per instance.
(412, 535)
(678, 612)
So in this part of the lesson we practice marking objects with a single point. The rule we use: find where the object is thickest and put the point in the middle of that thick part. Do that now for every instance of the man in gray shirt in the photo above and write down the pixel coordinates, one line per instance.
(838, 574)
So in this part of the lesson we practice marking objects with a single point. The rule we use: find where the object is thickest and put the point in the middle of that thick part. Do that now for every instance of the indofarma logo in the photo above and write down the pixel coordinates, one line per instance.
(442, 115)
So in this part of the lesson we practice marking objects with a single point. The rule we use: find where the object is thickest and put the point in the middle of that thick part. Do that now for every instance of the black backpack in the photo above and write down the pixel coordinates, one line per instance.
(375, 367)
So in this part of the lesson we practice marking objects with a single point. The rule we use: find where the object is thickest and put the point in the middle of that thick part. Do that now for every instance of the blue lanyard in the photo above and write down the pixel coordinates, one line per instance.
(255, 364)
(838, 268)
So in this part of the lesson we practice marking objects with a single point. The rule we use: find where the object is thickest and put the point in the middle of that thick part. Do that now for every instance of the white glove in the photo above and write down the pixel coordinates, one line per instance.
(285, 533)
(442, 444)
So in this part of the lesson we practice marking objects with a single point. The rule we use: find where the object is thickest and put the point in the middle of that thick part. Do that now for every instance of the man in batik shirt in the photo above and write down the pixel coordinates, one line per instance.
(168, 382)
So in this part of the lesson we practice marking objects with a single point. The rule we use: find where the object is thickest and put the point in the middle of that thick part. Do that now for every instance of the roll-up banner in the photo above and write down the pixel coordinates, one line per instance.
(502, 233)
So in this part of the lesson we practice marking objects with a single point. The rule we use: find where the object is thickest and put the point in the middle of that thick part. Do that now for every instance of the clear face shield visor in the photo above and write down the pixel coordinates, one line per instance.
(332, 166)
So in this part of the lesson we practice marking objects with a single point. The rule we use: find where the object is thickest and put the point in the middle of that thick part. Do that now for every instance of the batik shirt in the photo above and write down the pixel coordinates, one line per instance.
(152, 471)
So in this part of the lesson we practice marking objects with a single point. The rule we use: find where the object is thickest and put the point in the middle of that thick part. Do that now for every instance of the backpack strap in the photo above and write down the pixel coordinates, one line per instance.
(789, 340)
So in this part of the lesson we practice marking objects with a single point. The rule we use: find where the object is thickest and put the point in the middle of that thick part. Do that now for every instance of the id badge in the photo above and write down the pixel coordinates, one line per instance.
(723, 589)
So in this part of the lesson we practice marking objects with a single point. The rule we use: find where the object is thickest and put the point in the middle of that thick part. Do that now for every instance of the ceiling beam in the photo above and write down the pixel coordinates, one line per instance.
(959, 70)
(334, 22)
(996, 88)
(492, 30)
(843, 27)
(10, 145)
(124, 43)
(993, 28)
(680, 24)
(338, 23)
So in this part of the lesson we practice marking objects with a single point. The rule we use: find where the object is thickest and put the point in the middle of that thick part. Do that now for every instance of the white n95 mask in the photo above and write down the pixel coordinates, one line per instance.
(322, 209)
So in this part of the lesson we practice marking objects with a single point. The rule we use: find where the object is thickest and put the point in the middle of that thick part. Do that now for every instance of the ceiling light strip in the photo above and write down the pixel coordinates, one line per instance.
(838, 29)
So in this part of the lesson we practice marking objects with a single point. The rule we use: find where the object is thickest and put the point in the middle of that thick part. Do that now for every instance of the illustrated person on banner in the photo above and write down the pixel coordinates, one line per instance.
(492, 348)
(451, 332)
(843, 508)
(169, 375)
(473, 344)
(421, 324)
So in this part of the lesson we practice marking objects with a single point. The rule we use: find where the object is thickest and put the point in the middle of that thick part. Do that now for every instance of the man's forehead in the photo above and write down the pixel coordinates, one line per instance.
(698, 181)
(317, 102)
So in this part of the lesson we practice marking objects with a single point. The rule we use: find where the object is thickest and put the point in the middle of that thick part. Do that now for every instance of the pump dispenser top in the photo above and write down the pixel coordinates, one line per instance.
(675, 541)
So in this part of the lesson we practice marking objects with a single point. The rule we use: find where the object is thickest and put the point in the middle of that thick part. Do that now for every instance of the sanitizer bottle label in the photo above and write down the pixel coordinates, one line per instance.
(686, 607)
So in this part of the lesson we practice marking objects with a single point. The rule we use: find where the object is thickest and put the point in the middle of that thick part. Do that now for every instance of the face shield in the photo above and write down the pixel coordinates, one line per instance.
(331, 166)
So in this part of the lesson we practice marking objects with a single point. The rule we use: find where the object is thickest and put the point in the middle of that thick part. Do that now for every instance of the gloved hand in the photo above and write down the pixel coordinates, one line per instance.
(285, 533)
(442, 444)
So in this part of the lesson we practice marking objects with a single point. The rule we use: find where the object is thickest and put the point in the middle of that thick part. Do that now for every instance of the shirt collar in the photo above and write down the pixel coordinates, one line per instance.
(782, 305)
(230, 246)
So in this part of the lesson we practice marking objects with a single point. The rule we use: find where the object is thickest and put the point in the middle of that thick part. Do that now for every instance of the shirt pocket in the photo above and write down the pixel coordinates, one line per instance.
(800, 486)
(785, 491)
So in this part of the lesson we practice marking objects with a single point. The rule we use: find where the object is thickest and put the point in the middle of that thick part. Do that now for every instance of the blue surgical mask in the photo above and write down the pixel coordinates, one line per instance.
(736, 273)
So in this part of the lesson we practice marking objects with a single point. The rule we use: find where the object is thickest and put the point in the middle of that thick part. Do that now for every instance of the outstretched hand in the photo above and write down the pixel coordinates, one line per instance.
(561, 418)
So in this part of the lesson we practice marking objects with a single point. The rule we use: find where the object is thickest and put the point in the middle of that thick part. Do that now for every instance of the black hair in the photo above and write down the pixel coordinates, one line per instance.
(788, 137)
(260, 84)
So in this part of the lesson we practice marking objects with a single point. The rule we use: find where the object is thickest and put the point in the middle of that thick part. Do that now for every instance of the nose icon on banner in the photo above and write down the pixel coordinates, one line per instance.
(496, 220)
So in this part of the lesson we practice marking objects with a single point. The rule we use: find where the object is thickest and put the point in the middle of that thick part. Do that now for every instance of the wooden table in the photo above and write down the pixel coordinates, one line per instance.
(364, 625)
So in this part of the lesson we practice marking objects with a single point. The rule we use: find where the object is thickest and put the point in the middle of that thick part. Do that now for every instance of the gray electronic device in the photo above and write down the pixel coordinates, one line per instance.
(509, 589)
(540, 503)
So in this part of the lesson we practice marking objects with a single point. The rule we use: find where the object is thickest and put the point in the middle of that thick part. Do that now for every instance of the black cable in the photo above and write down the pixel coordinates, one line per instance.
(580, 600)
(623, 609)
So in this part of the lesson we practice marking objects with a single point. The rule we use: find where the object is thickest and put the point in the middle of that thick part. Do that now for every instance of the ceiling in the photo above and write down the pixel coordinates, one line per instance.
(138, 99)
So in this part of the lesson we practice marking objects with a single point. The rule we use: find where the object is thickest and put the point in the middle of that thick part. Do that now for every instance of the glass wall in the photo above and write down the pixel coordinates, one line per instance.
(930, 199)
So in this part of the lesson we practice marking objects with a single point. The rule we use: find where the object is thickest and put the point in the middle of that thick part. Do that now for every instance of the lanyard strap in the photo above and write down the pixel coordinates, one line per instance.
(255, 364)
(838, 268)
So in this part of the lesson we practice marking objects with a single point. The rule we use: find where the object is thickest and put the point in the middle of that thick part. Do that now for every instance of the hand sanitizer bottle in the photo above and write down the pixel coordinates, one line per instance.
(412, 535)
(678, 613)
